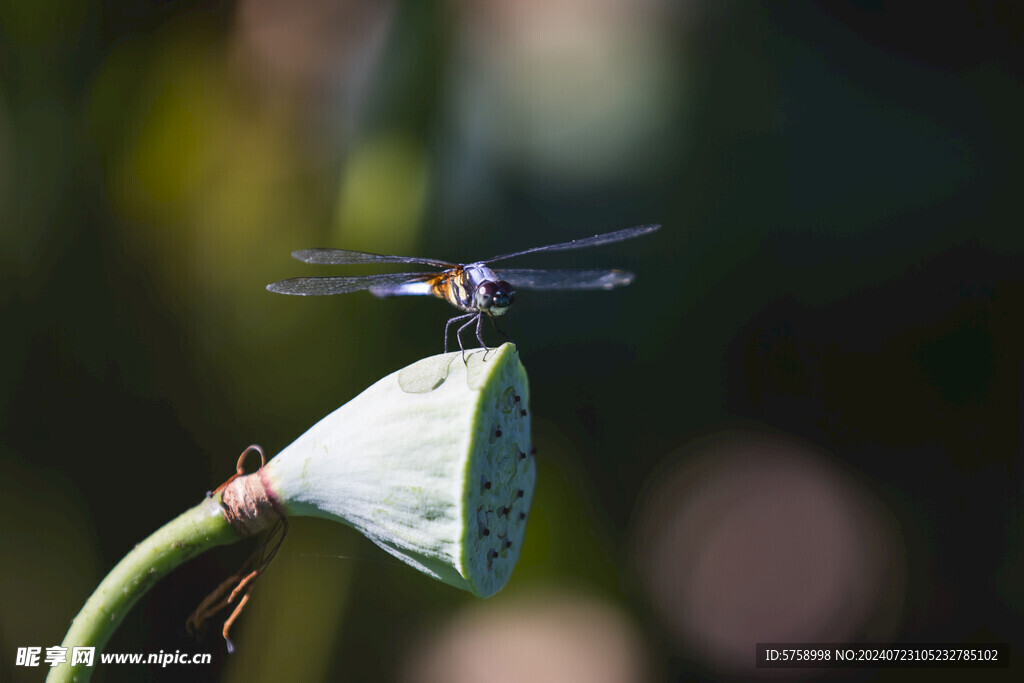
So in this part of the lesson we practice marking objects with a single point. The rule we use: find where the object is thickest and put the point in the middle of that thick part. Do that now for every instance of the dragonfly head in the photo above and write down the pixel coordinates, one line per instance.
(494, 298)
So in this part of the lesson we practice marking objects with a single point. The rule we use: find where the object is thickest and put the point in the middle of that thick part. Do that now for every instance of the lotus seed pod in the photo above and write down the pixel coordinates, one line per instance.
(432, 463)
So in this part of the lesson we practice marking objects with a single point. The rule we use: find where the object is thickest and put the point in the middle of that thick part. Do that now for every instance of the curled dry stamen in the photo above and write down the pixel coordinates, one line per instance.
(250, 508)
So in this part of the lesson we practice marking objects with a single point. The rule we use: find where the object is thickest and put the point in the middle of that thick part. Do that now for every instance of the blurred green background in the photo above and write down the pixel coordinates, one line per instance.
(802, 422)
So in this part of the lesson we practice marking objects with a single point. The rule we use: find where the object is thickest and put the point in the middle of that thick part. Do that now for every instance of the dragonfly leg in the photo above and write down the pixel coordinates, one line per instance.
(448, 326)
(479, 335)
(458, 334)
(502, 332)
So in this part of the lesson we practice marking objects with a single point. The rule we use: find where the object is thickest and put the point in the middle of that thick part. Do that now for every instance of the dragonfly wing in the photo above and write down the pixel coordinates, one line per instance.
(334, 257)
(322, 286)
(565, 279)
(595, 241)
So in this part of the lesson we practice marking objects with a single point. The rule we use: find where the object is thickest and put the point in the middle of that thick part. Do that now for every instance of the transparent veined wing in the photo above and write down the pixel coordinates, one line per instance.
(595, 241)
(565, 279)
(334, 257)
(323, 286)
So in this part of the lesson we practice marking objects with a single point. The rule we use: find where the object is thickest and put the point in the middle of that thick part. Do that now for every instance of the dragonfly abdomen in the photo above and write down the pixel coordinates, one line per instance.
(420, 288)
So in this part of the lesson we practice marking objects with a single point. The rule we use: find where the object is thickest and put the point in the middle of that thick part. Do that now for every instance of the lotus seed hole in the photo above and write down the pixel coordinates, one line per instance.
(508, 401)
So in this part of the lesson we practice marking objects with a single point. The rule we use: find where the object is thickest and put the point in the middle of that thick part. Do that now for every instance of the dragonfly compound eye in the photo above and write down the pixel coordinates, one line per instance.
(505, 295)
(495, 297)
(485, 295)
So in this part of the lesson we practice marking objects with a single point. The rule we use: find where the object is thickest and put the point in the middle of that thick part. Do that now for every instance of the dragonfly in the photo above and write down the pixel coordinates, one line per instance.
(474, 288)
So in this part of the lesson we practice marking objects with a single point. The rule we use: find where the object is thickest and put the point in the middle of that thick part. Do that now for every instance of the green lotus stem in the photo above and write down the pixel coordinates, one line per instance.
(432, 463)
(196, 530)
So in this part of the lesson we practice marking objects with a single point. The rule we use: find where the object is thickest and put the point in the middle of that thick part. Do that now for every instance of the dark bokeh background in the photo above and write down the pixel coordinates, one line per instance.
(802, 422)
